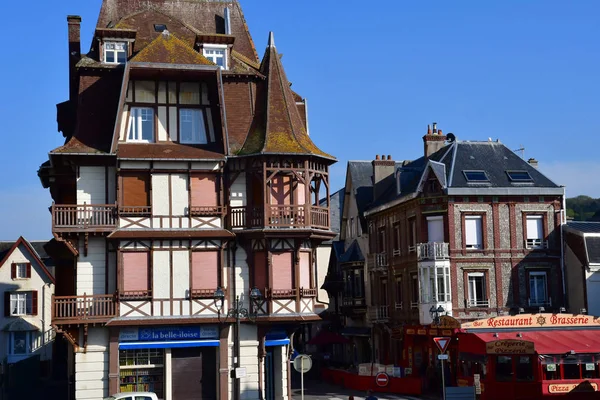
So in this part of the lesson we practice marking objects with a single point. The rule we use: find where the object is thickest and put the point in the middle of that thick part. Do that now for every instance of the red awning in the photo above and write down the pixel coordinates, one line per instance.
(327, 337)
(545, 341)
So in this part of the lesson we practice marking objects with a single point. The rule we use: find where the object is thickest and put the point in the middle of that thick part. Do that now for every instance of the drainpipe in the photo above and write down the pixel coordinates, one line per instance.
(563, 217)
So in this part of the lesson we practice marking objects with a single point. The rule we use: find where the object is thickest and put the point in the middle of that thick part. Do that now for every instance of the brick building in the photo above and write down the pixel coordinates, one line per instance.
(187, 182)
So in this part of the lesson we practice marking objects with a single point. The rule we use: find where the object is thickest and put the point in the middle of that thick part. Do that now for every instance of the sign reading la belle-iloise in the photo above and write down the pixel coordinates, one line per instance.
(168, 333)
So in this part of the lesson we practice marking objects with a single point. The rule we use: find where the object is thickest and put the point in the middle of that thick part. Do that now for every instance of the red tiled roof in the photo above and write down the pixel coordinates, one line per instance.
(168, 49)
(165, 151)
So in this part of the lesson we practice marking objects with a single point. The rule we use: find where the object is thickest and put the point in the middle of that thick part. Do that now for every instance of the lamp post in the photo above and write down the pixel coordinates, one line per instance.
(237, 312)
(436, 313)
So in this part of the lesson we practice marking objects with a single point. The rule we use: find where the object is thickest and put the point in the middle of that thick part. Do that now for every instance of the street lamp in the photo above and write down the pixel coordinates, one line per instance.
(435, 314)
(237, 312)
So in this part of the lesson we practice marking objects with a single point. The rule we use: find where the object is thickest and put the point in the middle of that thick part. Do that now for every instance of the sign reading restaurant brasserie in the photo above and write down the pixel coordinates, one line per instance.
(534, 321)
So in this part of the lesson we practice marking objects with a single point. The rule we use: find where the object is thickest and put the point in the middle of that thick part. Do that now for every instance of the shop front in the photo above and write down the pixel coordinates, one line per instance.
(176, 363)
(531, 356)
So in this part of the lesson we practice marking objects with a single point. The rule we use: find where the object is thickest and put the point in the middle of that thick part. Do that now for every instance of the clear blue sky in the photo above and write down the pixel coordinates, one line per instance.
(375, 74)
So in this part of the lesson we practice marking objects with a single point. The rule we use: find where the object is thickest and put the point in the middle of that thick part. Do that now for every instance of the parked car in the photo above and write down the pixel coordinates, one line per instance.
(133, 396)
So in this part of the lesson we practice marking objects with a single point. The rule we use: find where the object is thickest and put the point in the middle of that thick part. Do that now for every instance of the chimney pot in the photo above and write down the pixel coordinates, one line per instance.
(439, 131)
(428, 129)
(389, 157)
(533, 162)
(434, 128)
(377, 157)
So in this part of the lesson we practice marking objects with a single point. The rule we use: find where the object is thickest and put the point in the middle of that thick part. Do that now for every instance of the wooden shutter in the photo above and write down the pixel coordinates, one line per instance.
(34, 302)
(204, 190)
(13, 271)
(135, 271)
(305, 270)
(282, 271)
(28, 270)
(205, 270)
(260, 271)
(136, 190)
(7, 304)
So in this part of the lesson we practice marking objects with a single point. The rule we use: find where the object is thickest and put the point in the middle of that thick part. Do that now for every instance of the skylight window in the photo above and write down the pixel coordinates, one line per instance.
(476, 176)
(160, 27)
(519, 176)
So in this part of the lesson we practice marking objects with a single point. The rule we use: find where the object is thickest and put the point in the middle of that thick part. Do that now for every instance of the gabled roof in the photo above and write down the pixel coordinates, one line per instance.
(589, 233)
(277, 127)
(168, 49)
(352, 254)
(336, 207)
(7, 248)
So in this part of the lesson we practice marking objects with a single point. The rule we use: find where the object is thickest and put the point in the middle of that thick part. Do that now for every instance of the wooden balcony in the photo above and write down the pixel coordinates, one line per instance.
(84, 217)
(280, 216)
(98, 308)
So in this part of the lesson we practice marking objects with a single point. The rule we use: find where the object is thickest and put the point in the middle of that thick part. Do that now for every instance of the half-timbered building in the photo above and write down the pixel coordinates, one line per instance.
(187, 168)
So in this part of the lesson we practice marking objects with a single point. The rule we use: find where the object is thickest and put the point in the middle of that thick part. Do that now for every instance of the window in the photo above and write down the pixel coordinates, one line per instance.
(358, 227)
(435, 284)
(20, 270)
(412, 232)
(21, 303)
(473, 232)
(204, 195)
(381, 245)
(358, 284)
(352, 233)
(191, 126)
(136, 190)
(397, 244)
(476, 176)
(524, 369)
(141, 125)
(384, 292)
(205, 273)
(160, 27)
(135, 275)
(504, 371)
(216, 54)
(477, 290)
(535, 231)
(399, 293)
(19, 343)
(519, 176)
(571, 369)
(115, 52)
(538, 288)
(415, 291)
(283, 268)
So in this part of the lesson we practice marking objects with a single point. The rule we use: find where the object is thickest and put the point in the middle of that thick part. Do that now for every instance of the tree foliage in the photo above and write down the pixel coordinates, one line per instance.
(583, 208)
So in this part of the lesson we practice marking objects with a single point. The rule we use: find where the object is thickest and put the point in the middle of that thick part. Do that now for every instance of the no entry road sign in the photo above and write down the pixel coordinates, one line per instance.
(382, 379)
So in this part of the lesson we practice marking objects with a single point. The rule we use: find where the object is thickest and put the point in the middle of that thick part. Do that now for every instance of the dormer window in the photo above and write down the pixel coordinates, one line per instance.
(216, 53)
(115, 52)
(160, 28)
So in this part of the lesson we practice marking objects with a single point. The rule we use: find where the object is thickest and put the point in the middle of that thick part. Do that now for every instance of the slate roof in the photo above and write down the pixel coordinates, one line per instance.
(584, 226)
(590, 231)
(168, 49)
(277, 127)
(335, 212)
(352, 254)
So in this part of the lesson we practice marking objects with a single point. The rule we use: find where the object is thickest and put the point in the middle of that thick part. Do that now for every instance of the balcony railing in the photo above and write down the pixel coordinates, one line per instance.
(83, 217)
(377, 262)
(206, 211)
(282, 293)
(399, 306)
(378, 313)
(536, 244)
(279, 216)
(308, 292)
(540, 302)
(353, 301)
(86, 308)
(473, 303)
(433, 251)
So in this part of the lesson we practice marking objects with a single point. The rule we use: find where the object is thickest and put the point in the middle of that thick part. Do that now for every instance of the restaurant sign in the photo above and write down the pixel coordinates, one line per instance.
(570, 387)
(523, 321)
(510, 346)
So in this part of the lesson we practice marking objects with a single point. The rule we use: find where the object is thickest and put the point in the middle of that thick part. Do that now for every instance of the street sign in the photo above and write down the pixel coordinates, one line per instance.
(382, 379)
(442, 356)
(442, 343)
(302, 363)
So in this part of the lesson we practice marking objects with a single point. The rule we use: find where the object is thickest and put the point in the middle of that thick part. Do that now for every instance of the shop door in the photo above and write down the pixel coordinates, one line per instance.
(269, 375)
(194, 374)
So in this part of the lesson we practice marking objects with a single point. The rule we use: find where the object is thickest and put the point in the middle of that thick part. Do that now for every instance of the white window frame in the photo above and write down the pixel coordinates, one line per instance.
(535, 233)
(478, 234)
(11, 344)
(136, 114)
(115, 52)
(534, 300)
(432, 277)
(197, 135)
(212, 57)
(21, 303)
(21, 271)
(476, 299)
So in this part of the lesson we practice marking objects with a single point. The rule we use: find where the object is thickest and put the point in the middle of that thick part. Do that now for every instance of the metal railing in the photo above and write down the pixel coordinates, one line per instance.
(540, 303)
(377, 262)
(414, 304)
(399, 306)
(433, 251)
(378, 313)
(97, 307)
(471, 303)
(536, 244)
(83, 217)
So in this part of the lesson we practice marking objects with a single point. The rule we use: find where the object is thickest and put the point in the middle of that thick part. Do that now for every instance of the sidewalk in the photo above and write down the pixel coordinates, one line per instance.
(316, 390)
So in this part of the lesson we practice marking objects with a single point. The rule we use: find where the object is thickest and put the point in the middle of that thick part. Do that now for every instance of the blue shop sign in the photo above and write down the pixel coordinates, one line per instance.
(168, 333)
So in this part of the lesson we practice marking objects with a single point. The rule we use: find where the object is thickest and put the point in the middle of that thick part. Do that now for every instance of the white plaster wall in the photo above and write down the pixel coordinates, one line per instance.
(207, 165)
(160, 194)
(281, 391)
(91, 367)
(91, 187)
(135, 165)
(161, 275)
(162, 123)
(242, 279)
(123, 127)
(173, 123)
(38, 281)
(320, 271)
(181, 274)
(91, 269)
(179, 194)
(238, 191)
(248, 359)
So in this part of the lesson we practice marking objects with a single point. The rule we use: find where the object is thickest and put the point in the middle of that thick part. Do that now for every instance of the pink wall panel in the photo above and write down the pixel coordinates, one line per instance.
(282, 271)
(260, 271)
(205, 269)
(280, 190)
(305, 270)
(204, 190)
(135, 271)
(300, 194)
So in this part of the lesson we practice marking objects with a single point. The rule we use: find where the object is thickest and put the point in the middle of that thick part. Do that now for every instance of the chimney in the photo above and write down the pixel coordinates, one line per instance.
(533, 162)
(382, 168)
(74, 24)
(433, 140)
(227, 18)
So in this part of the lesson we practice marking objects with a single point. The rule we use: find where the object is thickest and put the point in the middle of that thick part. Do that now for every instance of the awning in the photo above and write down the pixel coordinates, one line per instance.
(168, 345)
(356, 331)
(278, 342)
(562, 341)
(324, 338)
(276, 338)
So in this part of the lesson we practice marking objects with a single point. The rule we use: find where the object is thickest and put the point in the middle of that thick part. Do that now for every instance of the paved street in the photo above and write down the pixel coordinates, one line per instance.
(322, 391)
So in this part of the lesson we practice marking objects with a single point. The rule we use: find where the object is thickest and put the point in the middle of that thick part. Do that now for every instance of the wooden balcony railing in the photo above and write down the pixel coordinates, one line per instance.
(134, 211)
(206, 211)
(279, 216)
(83, 217)
(282, 293)
(308, 292)
(86, 308)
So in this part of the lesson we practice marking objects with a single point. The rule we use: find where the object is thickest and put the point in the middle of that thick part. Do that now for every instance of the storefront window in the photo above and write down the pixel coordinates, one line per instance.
(589, 369)
(142, 371)
(504, 370)
(571, 370)
(524, 369)
(551, 368)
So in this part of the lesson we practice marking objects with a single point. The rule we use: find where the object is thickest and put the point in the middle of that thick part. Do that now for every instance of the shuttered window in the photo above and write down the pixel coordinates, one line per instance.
(136, 190)
(282, 271)
(135, 274)
(535, 231)
(205, 270)
(473, 232)
(305, 270)
(204, 190)
(20, 303)
(260, 271)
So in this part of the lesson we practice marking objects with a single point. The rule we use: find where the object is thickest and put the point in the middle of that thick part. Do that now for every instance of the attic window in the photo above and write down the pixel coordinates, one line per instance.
(519, 176)
(160, 27)
(216, 53)
(476, 176)
(115, 52)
